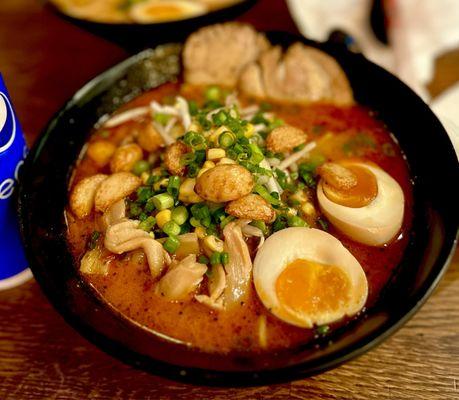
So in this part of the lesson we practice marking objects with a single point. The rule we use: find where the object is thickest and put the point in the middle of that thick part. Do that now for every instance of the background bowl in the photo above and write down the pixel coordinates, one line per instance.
(43, 196)
(134, 37)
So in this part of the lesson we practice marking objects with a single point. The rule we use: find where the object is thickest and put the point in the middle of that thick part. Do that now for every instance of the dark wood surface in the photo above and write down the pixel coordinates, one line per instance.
(44, 60)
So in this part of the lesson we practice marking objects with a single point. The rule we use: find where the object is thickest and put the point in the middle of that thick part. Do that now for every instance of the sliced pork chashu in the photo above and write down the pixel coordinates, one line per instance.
(217, 54)
(302, 75)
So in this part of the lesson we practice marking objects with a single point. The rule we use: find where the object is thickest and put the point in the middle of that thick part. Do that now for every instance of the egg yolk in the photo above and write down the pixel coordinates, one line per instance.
(308, 287)
(361, 193)
(165, 12)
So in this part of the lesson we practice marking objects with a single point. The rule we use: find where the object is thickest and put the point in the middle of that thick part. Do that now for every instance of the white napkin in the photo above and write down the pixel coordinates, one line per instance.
(419, 31)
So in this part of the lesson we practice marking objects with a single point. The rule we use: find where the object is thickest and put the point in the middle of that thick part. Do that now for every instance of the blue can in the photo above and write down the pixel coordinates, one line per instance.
(13, 149)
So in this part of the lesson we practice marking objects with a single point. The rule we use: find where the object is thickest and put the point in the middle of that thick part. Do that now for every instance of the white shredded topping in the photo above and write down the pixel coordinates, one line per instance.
(231, 100)
(259, 127)
(249, 112)
(272, 185)
(168, 139)
(161, 109)
(213, 112)
(182, 107)
(250, 230)
(293, 158)
(125, 116)
(274, 162)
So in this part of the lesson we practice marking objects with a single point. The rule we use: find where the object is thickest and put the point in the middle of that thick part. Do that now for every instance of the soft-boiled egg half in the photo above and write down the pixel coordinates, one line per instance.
(306, 277)
(154, 11)
(361, 200)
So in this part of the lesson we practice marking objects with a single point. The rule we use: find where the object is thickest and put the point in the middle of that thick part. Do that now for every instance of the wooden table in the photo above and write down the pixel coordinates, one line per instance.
(44, 60)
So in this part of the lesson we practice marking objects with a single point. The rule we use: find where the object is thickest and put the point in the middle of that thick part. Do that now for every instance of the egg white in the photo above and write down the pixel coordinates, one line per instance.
(374, 224)
(142, 12)
(288, 245)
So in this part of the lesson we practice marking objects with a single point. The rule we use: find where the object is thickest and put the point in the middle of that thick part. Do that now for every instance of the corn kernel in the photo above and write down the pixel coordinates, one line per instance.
(214, 136)
(163, 217)
(201, 171)
(215, 154)
(226, 160)
(208, 164)
(144, 176)
(194, 127)
(308, 209)
(249, 130)
(187, 193)
(212, 244)
(201, 232)
(160, 184)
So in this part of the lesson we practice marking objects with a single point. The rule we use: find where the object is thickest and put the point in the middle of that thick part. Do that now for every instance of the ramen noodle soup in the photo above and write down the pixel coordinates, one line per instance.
(241, 209)
(139, 11)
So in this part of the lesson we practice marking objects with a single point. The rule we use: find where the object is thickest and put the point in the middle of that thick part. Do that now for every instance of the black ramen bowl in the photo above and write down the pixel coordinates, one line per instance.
(134, 36)
(43, 197)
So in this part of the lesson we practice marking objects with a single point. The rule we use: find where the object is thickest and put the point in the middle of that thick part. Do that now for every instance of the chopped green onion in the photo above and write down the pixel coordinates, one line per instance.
(323, 329)
(171, 244)
(194, 222)
(299, 147)
(93, 240)
(193, 107)
(171, 228)
(195, 140)
(152, 179)
(206, 221)
(134, 210)
(275, 123)
(263, 192)
(279, 223)
(226, 139)
(179, 215)
(162, 118)
(143, 216)
(140, 167)
(187, 158)
(224, 258)
(143, 194)
(203, 259)
(212, 230)
(256, 154)
(219, 214)
(173, 185)
(200, 211)
(185, 228)
(296, 221)
(215, 258)
(226, 221)
(149, 206)
(200, 156)
(220, 118)
(260, 225)
(193, 170)
(213, 93)
(163, 201)
(148, 224)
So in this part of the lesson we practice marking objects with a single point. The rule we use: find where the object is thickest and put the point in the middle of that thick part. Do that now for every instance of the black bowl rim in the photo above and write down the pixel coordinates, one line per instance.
(239, 7)
(228, 378)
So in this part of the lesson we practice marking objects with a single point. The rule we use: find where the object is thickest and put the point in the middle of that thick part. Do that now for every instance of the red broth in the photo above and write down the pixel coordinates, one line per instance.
(128, 287)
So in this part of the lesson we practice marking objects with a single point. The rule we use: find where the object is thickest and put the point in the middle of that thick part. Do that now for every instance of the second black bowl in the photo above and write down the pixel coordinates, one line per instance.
(134, 37)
